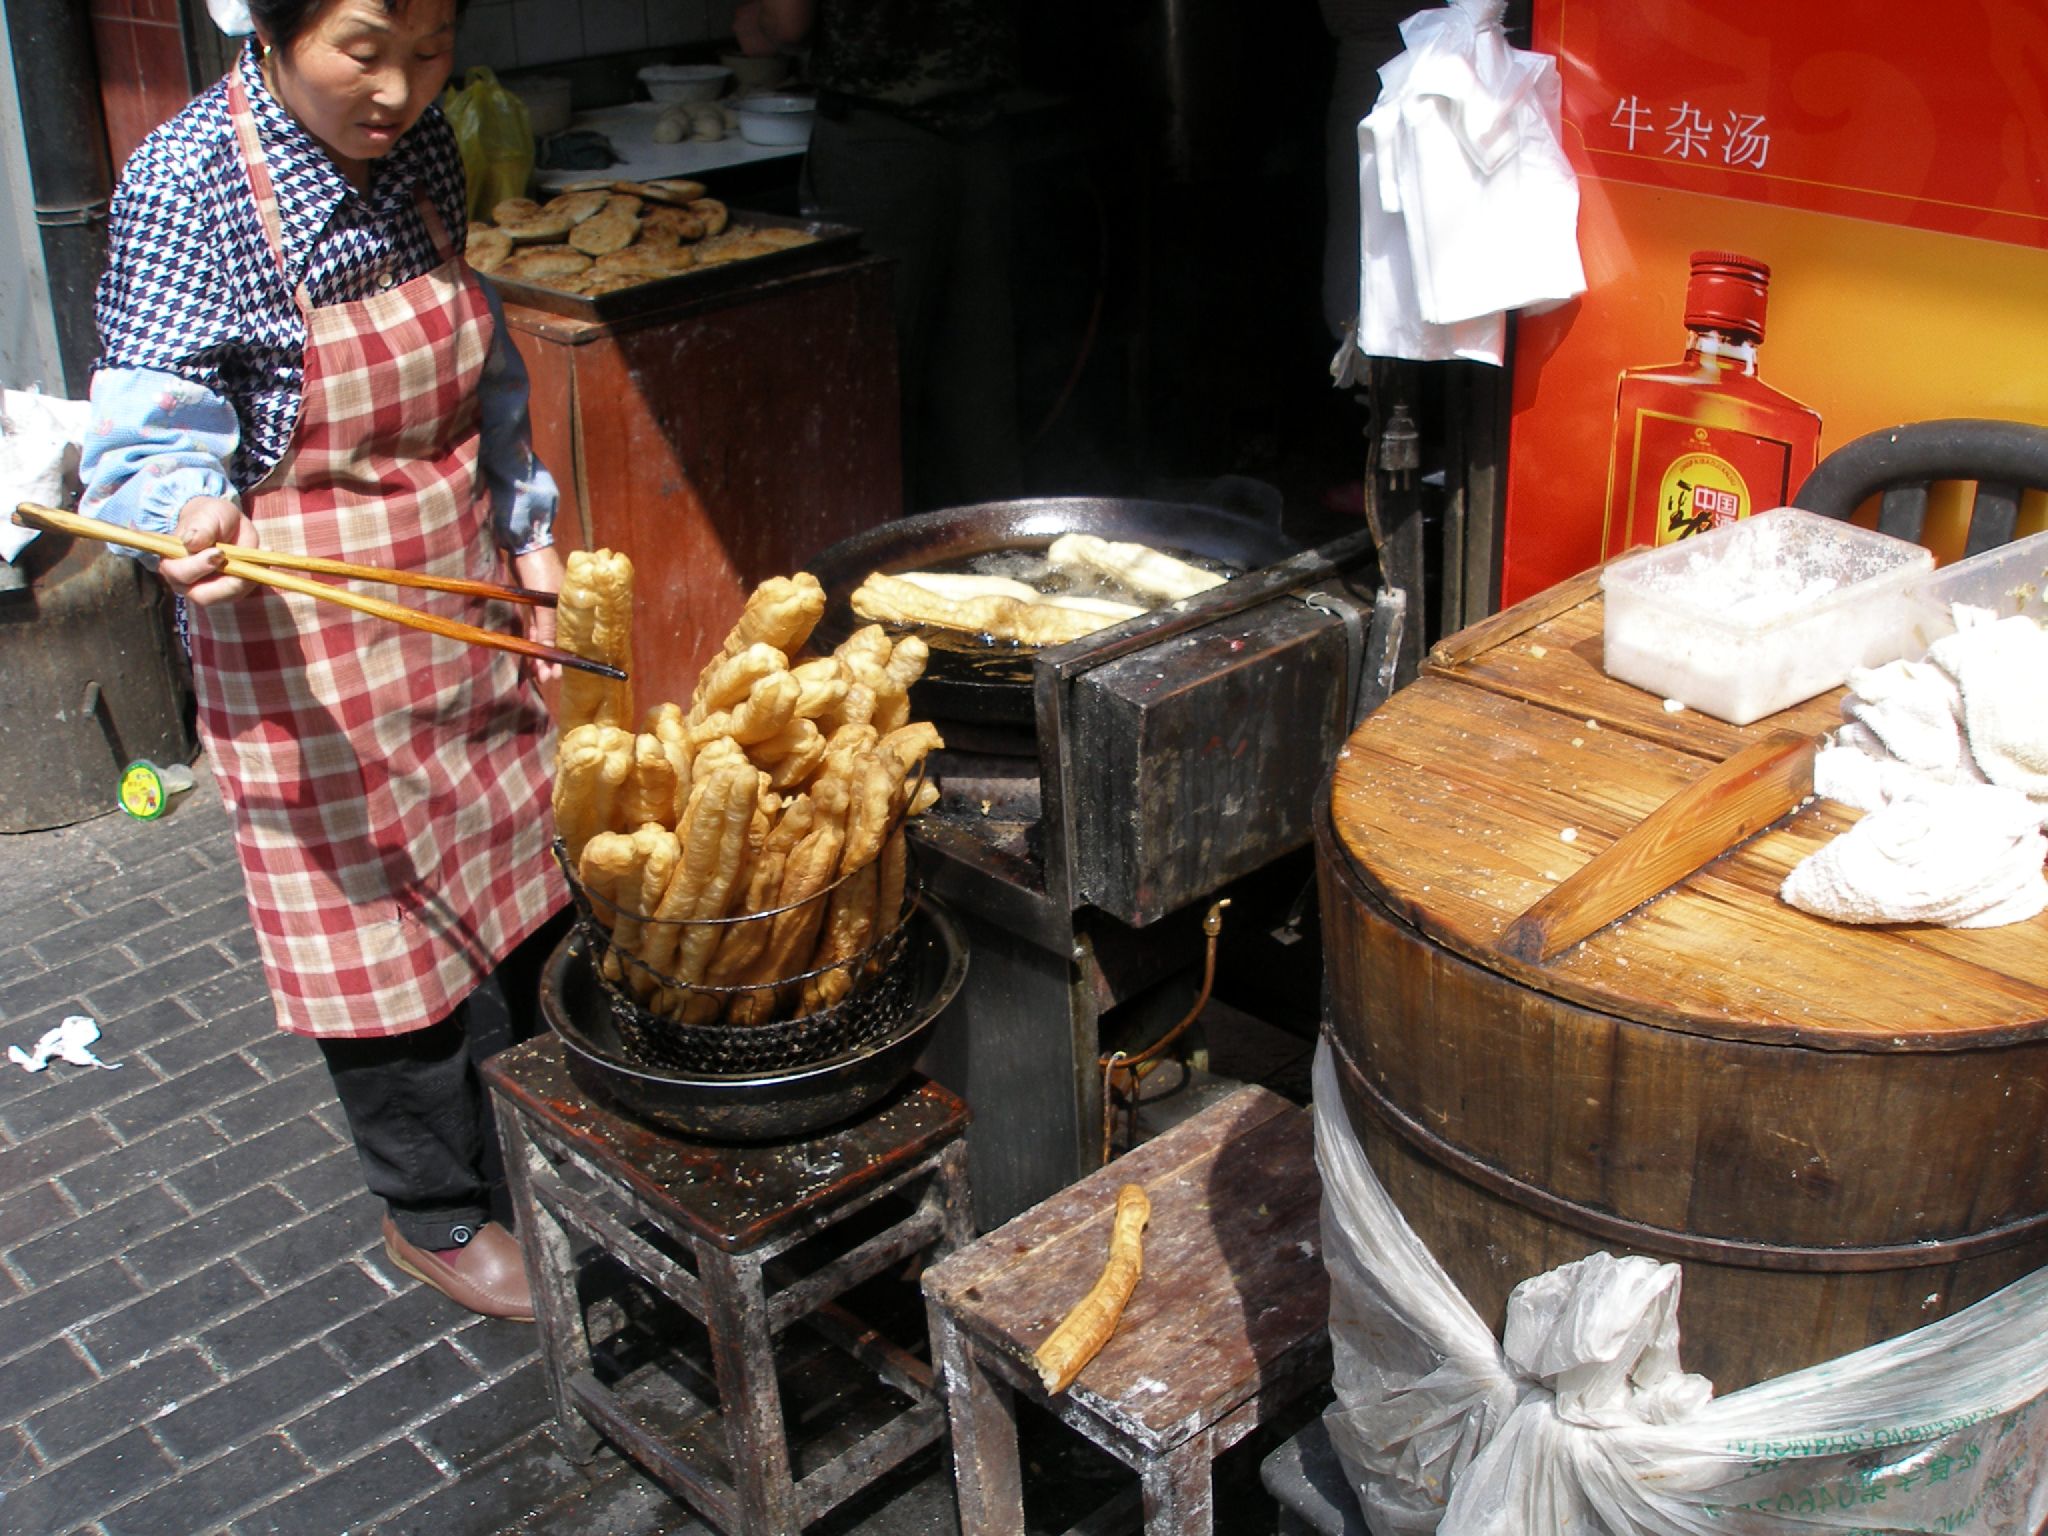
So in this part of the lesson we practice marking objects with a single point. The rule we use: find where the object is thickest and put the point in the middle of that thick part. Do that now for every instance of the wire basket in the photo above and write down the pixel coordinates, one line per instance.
(882, 998)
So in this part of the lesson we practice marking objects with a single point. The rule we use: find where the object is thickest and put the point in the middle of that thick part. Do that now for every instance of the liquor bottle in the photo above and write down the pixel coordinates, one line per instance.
(1702, 442)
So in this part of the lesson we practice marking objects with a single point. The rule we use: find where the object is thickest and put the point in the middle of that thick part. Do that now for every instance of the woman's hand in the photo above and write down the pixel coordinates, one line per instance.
(203, 522)
(540, 569)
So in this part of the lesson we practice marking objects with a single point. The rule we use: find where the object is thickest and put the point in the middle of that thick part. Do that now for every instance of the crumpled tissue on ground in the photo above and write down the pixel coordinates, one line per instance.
(70, 1041)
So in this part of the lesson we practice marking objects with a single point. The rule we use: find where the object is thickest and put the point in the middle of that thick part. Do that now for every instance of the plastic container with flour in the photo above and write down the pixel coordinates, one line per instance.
(1755, 617)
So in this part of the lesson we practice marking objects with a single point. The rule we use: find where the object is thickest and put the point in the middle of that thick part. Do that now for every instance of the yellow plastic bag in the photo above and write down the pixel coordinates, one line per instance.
(495, 138)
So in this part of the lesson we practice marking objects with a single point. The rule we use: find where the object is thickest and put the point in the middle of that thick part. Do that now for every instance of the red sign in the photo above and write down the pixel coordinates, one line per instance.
(1886, 161)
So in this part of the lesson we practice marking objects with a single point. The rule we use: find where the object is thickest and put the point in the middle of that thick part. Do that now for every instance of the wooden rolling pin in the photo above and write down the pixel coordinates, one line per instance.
(1732, 801)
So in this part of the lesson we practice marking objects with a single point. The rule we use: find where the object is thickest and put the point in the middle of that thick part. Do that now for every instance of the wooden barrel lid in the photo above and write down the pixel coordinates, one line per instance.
(1514, 759)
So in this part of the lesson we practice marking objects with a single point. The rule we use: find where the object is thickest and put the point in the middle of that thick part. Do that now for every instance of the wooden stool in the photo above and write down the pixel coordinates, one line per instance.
(1229, 1322)
(700, 1223)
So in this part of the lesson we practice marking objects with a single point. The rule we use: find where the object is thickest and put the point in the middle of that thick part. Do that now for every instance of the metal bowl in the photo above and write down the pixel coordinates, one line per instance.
(768, 1106)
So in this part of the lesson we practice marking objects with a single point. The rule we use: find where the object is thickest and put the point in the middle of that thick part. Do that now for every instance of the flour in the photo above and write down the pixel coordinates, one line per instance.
(1773, 569)
(1748, 581)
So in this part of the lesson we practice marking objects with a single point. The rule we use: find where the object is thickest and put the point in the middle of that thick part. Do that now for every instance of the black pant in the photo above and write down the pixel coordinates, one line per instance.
(421, 1120)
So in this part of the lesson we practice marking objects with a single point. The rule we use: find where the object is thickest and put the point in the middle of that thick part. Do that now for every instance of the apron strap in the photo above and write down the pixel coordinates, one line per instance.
(437, 227)
(257, 166)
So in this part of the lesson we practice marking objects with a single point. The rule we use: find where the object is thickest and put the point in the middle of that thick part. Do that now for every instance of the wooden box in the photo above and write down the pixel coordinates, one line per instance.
(718, 442)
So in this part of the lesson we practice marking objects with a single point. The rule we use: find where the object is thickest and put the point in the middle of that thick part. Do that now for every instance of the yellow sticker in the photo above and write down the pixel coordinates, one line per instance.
(142, 791)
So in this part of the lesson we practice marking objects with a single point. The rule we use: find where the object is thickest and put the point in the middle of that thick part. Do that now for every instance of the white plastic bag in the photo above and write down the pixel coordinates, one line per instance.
(1584, 1425)
(231, 16)
(39, 440)
(1467, 205)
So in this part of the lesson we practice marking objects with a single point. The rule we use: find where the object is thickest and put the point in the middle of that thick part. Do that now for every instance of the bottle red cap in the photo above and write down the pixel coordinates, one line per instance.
(1727, 293)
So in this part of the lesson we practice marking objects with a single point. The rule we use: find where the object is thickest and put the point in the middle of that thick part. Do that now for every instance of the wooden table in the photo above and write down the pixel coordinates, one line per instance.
(1229, 1321)
(1837, 1128)
(750, 1241)
(718, 441)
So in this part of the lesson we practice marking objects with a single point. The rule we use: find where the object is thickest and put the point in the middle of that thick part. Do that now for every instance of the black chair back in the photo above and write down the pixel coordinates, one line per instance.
(2005, 458)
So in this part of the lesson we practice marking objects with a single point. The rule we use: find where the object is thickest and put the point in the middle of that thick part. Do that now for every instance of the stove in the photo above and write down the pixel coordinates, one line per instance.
(1165, 761)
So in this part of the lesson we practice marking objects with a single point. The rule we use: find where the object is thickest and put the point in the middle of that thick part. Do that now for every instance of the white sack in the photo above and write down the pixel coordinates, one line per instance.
(1586, 1426)
(39, 440)
(1467, 205)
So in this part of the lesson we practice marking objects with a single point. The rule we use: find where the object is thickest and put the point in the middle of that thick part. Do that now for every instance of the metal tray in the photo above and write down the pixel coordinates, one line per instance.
(834, 242)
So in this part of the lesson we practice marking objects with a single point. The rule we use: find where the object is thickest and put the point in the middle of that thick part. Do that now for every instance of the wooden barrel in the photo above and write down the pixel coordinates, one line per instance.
(1838, 1132)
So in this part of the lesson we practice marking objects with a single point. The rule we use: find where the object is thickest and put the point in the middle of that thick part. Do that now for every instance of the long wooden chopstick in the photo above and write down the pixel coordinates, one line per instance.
(29, 515)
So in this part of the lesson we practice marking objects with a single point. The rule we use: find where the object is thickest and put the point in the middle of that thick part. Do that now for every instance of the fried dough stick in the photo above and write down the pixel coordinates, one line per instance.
(665, 722)
(1081, 1335)
(781, 612)
(723, 820)
(810, 868)
(1137, 566)
(886, 597)
(594, 618)
(629, 872)
(649, 793)
(592, 763)
(745, 943)
(731, 678)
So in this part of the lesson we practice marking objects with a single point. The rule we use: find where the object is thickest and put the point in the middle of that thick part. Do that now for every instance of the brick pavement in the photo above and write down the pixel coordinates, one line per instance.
(199, 1331)
(198, 1328)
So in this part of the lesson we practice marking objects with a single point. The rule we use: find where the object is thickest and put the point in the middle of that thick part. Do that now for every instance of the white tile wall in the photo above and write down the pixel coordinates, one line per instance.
(512, 34)
(613, 26)
(680, 21)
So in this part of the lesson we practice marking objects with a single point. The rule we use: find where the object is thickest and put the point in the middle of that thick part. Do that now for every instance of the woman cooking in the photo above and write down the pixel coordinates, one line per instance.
(294, 354)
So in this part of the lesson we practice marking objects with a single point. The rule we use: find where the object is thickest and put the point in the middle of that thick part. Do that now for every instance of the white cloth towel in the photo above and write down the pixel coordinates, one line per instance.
(1961, 855)
(1914, 710)
(1948, 759)
(2001, 671)
(1467, 205)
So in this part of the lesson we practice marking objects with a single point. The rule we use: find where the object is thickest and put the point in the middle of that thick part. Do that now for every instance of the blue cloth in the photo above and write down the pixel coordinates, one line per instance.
(201, 368)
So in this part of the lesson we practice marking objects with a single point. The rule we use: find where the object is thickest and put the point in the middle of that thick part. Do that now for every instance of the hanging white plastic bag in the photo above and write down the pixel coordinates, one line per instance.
(39, 440)
(231, 16)
(1468, 207)
(1584, 1425)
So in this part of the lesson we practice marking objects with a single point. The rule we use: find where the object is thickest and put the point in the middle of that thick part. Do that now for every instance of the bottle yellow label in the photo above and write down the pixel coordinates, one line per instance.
(1699, 491)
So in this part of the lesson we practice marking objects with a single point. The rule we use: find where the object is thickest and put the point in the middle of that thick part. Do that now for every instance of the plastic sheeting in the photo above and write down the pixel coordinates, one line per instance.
(1580, 1421)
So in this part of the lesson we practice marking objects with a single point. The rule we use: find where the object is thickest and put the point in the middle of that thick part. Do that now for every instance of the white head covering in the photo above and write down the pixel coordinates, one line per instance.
(231, 16)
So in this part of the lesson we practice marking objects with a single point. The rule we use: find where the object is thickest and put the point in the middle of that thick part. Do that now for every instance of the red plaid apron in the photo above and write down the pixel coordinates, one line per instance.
(389, 788)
